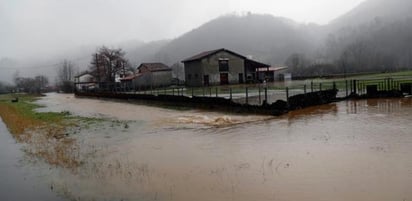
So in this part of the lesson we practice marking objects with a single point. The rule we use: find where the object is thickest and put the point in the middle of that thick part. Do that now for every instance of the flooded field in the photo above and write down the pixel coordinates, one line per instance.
(20, 179)
(354, 150)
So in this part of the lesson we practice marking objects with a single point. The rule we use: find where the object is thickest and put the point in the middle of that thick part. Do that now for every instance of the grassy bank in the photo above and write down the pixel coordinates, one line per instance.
(46, 134)
(21, 115)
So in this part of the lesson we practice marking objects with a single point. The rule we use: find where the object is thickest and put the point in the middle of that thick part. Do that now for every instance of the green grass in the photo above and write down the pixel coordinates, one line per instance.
(383, 75)
(26, 108)
(51, 139)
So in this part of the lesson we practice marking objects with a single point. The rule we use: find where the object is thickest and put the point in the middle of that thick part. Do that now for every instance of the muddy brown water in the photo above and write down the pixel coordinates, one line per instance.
(351, 150)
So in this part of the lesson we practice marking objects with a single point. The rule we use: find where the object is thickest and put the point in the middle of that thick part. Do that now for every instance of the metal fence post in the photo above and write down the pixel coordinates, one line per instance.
(216, 92)
(354, 87)
(287, 94)
(320, 86)
(311, 86)
(346, 87)
(387, 84)
(230, 91)
(192, 92)
(304, 89)
(210, 92)
(247, 96)
(266, 94)
(260, 98)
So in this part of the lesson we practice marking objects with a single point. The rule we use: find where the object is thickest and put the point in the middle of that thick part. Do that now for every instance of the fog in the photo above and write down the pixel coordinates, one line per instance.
(37, 34)
(34, 28)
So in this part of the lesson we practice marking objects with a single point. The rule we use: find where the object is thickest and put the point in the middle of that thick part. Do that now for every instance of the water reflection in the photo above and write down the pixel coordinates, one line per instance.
(19, 179)
(378, 105)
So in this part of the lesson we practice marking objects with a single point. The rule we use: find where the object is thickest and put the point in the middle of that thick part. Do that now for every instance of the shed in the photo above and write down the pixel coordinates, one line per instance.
(152, 75)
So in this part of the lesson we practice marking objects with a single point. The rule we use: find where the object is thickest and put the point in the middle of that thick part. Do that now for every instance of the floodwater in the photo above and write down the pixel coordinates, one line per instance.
(351, 150)
(20, 179)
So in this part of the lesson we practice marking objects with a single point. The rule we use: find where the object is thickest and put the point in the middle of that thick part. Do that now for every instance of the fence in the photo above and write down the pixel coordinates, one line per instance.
(256, 94)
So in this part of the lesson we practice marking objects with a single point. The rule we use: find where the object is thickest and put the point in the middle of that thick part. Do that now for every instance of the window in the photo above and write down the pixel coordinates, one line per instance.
(223, 65)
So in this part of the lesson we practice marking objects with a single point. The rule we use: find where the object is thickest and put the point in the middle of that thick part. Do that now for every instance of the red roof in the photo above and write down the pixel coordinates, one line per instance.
(130, 77)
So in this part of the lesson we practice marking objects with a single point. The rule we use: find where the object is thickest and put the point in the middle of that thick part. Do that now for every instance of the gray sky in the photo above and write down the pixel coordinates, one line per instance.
(43, 27)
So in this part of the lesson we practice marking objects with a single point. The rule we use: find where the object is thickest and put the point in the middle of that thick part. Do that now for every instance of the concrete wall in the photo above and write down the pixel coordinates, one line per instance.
(210, 66)
(191, 69)
(153, 79)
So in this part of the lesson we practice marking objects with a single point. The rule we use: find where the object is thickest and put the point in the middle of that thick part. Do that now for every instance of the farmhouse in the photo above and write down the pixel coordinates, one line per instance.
(151, 75)
(85, 80)
(220, 67)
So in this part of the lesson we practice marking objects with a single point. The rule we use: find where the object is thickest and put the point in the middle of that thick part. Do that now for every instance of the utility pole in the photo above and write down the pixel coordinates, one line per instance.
(97, 68)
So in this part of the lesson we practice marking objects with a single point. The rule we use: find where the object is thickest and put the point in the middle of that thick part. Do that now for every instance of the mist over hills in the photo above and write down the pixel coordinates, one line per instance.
(374, 36)
(264, 37)
(374, 9)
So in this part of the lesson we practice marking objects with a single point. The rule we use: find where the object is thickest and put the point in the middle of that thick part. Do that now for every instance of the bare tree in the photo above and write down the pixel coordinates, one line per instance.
(297, 63)
(106, 63)
(65, 76)
(343, 62)
(41, 83)
(32, 85)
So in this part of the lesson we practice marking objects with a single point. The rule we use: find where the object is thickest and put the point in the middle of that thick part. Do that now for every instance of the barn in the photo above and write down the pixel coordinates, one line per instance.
(220, 67)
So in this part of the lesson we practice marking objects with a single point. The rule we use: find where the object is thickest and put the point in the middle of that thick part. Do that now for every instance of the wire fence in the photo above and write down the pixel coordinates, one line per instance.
(257, 94)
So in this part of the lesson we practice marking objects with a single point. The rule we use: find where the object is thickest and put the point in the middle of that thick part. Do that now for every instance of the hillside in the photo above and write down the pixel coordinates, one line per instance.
(266, 38)
(373, 10)
(374, 36)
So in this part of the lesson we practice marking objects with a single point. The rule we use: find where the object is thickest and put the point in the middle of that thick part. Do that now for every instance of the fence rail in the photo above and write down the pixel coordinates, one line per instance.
(257, 94)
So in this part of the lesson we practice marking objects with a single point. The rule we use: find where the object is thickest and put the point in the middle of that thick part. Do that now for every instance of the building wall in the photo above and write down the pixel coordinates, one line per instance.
(153, 79)
(191, 69)
(85, 78)
(210, 66)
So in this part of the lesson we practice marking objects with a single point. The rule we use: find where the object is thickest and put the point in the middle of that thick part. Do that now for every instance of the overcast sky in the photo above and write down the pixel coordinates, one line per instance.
(29, 27)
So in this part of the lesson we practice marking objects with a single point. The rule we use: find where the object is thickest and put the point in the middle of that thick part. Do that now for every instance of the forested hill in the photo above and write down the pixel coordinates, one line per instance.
(375, 36)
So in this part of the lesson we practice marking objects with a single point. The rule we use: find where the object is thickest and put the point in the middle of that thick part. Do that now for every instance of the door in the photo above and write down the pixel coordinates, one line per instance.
(206, 80)
(224, 78)
(241, 78)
